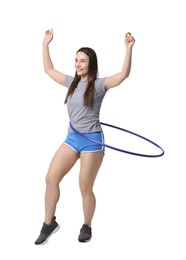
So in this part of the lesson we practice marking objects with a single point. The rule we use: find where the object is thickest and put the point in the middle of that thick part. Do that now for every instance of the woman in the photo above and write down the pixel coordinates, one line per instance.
(84, 97)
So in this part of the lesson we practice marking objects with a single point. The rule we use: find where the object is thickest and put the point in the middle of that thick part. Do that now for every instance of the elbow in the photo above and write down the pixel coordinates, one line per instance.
(47, 71)
(125, 76)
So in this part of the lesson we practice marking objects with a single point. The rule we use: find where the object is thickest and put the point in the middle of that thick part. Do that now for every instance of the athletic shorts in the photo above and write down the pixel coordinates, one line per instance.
(81, 144)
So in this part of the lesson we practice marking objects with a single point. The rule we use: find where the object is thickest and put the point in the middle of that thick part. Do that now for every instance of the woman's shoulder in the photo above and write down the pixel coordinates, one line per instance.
(68, 80)
(100, 84)
(100, 81)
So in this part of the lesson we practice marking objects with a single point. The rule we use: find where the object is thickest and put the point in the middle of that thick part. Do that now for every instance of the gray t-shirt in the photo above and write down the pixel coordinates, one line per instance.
(85, 119)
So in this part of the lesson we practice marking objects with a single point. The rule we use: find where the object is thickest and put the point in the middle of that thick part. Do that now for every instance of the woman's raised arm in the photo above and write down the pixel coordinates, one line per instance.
(118, 78)
(47, 62)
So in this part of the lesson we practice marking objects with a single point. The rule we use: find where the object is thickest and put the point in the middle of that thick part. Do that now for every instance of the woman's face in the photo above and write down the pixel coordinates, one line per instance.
(82, 65)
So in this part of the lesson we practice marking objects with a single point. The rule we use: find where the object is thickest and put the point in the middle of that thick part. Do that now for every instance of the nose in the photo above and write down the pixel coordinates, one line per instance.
(78, 64)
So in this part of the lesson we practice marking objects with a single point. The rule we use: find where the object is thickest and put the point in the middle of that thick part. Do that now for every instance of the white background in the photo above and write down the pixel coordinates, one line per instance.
(140, 210)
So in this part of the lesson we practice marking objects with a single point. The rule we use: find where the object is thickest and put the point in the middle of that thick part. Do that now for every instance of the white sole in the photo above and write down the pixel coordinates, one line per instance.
(54, 231)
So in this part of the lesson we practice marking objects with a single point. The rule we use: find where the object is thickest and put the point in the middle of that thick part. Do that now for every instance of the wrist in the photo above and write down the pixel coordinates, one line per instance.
(129, 48)
(45, 44)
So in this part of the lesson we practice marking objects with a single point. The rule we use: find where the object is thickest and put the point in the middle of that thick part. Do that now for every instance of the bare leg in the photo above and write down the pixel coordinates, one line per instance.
(90, 164)
(62, 162)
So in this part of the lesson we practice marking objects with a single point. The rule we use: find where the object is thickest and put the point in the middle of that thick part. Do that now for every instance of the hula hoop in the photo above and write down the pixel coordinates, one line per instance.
(121, 150)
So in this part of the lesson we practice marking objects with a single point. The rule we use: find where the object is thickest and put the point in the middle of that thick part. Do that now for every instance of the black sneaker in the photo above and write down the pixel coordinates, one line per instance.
(85, 233)
(47, 231)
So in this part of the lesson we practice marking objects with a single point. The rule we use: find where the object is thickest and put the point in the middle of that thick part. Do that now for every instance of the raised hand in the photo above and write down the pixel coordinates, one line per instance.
(129, 40)
(48, 36)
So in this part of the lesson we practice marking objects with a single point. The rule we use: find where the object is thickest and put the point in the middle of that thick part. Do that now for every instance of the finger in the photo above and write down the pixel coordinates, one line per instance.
(131, 38)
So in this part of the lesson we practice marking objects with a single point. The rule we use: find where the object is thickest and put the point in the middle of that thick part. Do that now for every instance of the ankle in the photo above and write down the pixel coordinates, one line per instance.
(87, 223)
(48, 221)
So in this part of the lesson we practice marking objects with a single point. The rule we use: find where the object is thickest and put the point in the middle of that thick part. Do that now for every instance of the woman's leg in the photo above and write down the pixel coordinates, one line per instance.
(90, 164)
(62, 162)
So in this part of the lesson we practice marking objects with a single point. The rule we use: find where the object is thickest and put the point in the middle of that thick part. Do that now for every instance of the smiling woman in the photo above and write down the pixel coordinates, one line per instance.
(82, 64)
(84, 98)
(86, 66)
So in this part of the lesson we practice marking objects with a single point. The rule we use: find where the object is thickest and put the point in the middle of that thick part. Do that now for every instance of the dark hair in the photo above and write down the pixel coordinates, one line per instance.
(92, 76)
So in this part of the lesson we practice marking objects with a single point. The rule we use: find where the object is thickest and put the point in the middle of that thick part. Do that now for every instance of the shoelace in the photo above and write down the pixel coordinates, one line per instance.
(86, 229)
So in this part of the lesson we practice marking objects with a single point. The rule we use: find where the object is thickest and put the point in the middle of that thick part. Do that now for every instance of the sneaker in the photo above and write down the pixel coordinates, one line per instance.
(85, 233)
(47, 231)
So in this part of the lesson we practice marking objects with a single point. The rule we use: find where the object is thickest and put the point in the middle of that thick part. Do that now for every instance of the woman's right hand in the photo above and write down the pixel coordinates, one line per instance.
(48, 36)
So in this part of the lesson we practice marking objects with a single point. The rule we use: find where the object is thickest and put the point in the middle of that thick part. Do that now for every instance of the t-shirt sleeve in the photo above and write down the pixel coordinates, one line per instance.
(100, 85)
(68, 80)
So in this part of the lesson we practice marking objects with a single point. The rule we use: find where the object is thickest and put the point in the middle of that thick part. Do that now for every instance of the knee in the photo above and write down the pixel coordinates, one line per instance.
(85, 189)
(50, 180)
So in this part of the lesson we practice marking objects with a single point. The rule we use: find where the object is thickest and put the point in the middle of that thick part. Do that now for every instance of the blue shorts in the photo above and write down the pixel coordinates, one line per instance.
(82, 145)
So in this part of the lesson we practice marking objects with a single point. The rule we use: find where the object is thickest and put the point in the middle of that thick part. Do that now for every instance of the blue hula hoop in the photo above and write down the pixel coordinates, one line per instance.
(121, 150)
